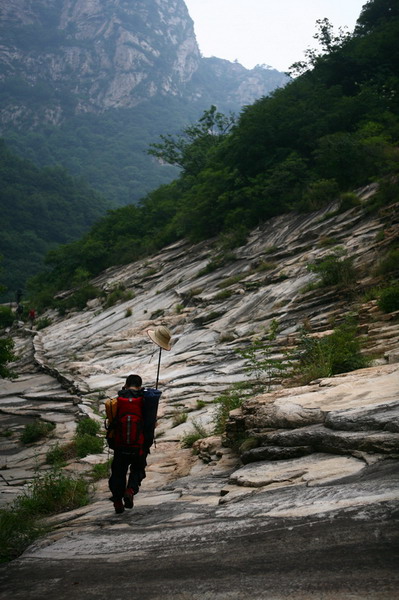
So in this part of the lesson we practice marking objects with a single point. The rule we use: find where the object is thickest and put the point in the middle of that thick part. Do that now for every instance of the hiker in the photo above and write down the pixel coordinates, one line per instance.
(130, 433)
(32, 317)
(130, 425)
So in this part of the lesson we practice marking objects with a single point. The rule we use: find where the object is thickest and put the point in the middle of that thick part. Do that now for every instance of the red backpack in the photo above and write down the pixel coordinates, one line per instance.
(129, 423)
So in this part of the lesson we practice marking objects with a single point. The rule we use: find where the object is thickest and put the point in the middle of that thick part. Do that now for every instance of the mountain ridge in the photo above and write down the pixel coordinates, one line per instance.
(94, 56)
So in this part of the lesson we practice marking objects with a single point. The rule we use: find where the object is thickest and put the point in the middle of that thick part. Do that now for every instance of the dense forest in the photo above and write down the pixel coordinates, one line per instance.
(333, 129)
(40, 209)
(108, 150)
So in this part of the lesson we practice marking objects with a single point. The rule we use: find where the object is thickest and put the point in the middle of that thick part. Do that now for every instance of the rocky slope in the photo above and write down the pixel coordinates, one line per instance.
(320, 484)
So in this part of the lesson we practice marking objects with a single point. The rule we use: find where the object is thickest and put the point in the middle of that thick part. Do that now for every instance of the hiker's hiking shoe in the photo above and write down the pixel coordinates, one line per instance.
(118, 505)
(128, 498)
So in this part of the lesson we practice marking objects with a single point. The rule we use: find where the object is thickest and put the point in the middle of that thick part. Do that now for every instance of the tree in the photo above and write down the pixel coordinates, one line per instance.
(189, 149)
(329, 42)
(375, 13)
(6, 356)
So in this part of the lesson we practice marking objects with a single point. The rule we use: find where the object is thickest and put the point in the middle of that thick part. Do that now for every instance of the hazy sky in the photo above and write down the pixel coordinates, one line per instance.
(272, 32)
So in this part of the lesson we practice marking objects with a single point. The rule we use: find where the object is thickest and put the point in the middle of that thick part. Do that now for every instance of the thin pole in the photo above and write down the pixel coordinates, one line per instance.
(159, 365)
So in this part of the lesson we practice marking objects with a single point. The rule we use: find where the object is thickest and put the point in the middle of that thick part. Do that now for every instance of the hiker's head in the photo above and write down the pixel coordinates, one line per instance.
(133, 381)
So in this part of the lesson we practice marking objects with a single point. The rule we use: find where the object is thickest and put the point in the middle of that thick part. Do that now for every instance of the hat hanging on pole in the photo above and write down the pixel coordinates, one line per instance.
(161, 336)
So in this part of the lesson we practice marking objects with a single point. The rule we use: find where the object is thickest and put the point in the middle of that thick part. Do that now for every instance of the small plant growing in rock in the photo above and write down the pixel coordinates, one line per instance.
(20, 524)
(223, 295)
(198, 433)
(389, 263)
(6, 356)
(260, 363)
(329, 355)
(128, 313)
(389, 299)
(86, 441)
(43, 322)
(101, 470)
(179, 417)
(118, 294)
(88, 426)
(88, 444)
(36, 431)
(59, 455)
(7, 317)
(335, 269)
(228, 336)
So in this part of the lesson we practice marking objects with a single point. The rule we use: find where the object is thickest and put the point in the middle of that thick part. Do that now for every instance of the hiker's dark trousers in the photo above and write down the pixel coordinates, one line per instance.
(119, 467)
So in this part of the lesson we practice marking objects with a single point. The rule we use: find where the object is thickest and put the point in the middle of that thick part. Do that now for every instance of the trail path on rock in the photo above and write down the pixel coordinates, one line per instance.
(312, 515)
(295, 530)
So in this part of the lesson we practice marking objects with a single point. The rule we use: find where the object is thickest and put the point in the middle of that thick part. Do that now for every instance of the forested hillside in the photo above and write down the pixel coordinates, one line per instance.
(334, 128)
(40, 208)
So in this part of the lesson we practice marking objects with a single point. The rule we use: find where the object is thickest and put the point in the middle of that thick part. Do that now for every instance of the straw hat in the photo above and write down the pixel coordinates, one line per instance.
(161, 336)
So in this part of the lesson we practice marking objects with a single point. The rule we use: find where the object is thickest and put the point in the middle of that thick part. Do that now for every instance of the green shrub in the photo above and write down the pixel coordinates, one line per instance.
(7, 317)
(179, 417)
(36, 431)
(234, 238)
(390, 263)
(260, 363)
(339, 352)
(17, 532)
(59, 455)
(334, 269)
(101, 470)
(128, 313)
(88, 444)
(53, 493)
(6, 356)
(265, 266)
(231, 280)
(348, 200)
(48, 494)
(223, 295)
(198, 433)
(88, 425)
(318, 194)
(327, 241)
(225, 403)
(216, 263)
(118, 294)
(78, 299)
(389, 299)
(43, 322)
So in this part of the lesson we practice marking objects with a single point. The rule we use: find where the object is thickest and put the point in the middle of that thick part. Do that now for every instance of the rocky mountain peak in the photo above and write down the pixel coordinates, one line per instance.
(76, 56)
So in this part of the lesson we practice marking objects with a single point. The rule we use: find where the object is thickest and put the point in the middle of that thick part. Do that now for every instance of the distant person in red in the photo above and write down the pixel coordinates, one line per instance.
(32, 316)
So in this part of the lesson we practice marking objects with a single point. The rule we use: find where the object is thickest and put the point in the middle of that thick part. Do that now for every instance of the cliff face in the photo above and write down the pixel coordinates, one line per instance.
(74, 56)
(109, 54)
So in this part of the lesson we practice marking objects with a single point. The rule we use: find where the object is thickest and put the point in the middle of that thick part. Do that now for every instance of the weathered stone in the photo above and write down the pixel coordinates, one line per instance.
(283, 415)
(385, 417)
(275, 453)
(322, 439)
(308, 470)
